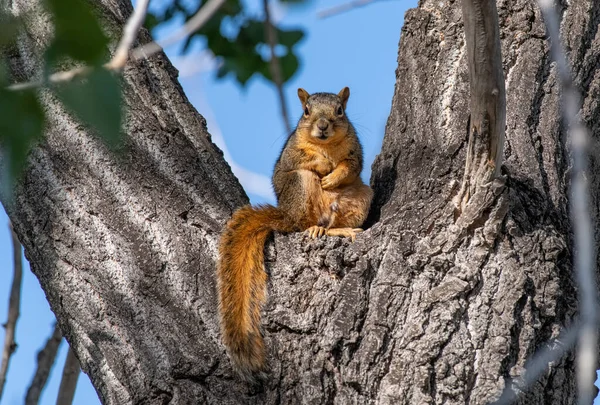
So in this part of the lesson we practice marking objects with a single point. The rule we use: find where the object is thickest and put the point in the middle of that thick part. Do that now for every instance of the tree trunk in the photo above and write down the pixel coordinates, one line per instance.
(430, 305)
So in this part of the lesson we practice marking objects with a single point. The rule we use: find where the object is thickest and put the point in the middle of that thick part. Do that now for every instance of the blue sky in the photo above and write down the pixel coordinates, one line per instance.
(356, 49)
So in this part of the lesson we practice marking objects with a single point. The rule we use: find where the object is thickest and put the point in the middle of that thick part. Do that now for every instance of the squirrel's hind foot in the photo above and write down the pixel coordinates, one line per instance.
(345, 232)
(318, 231)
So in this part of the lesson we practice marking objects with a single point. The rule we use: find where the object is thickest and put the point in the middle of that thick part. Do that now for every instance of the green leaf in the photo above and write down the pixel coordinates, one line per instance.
(21, 125)
(220, 45)
(77, 33)
(289, 38)
(238, 41)
(151, 21)
(96, 100)
(231, 7)
(253, 32)
(4, 77)
(243, 66)
(9, 26)
(289, 66)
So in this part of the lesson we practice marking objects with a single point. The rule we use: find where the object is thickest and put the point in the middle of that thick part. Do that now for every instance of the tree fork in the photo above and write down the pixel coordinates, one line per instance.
(423, 308)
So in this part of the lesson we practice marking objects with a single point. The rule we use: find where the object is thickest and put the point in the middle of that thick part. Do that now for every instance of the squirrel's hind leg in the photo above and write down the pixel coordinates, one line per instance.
(301, 198)
(348, 209)
(351, 206)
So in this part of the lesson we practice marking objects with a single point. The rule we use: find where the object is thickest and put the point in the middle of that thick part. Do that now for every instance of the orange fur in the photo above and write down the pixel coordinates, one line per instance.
(242, 284)
(319, 190)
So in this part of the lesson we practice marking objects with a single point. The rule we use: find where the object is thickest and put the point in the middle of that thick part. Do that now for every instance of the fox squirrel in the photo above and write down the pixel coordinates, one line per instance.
(319, 190)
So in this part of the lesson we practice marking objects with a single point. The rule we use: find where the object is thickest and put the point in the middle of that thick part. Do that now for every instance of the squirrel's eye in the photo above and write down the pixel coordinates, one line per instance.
(339, 111)
(306, 112)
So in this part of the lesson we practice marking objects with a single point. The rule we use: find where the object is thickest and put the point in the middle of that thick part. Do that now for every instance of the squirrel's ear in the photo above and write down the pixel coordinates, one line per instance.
(303, 95)
(343, 95)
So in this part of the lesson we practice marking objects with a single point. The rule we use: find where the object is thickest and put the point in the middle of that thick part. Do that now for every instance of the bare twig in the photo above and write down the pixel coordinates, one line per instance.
(144, 51)
(118, 61)
(13, 310)
(68, 383)
(538, 364)
(45, 361)
(580, 213)
(193, 25)
(342, 8)
(130, 32)
(275, 65)
(58, 77)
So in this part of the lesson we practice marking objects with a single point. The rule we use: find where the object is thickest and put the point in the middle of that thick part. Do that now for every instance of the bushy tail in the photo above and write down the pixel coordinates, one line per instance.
(242, 285)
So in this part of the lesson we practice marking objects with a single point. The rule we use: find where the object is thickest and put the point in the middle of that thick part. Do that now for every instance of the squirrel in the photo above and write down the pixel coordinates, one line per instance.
(319, 190)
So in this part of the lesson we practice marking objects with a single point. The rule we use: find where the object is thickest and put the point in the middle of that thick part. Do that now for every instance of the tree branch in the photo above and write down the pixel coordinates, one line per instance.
(342, 8)
(45, 361)
(275, 65)
(583, 226)
(68, 383)
(135, 21)
(194, 24)
(144, 51)
(13, 310)
(488, 98)
(54, 78)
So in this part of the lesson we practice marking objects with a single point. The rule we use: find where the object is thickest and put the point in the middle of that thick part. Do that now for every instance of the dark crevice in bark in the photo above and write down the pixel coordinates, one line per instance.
(367, 279)
(199, 379)
(327, 376)
(276, 327)
(533, 120)
(383, 188)
(530, 348)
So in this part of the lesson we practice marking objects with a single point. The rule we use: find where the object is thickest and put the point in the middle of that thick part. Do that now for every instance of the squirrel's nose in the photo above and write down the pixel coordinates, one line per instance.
(322, 124)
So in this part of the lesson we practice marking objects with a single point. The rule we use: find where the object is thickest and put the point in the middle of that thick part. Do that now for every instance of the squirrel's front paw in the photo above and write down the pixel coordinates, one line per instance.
(329, 181)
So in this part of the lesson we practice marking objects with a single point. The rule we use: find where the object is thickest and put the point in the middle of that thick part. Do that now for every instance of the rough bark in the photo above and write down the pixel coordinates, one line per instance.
(426, 307)
(487, 106)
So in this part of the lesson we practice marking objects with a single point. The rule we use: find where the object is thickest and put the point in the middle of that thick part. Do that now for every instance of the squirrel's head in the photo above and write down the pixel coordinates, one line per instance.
(324, 116)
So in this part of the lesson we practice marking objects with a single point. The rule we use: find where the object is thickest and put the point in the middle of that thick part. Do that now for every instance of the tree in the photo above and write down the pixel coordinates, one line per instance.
(432, 304)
